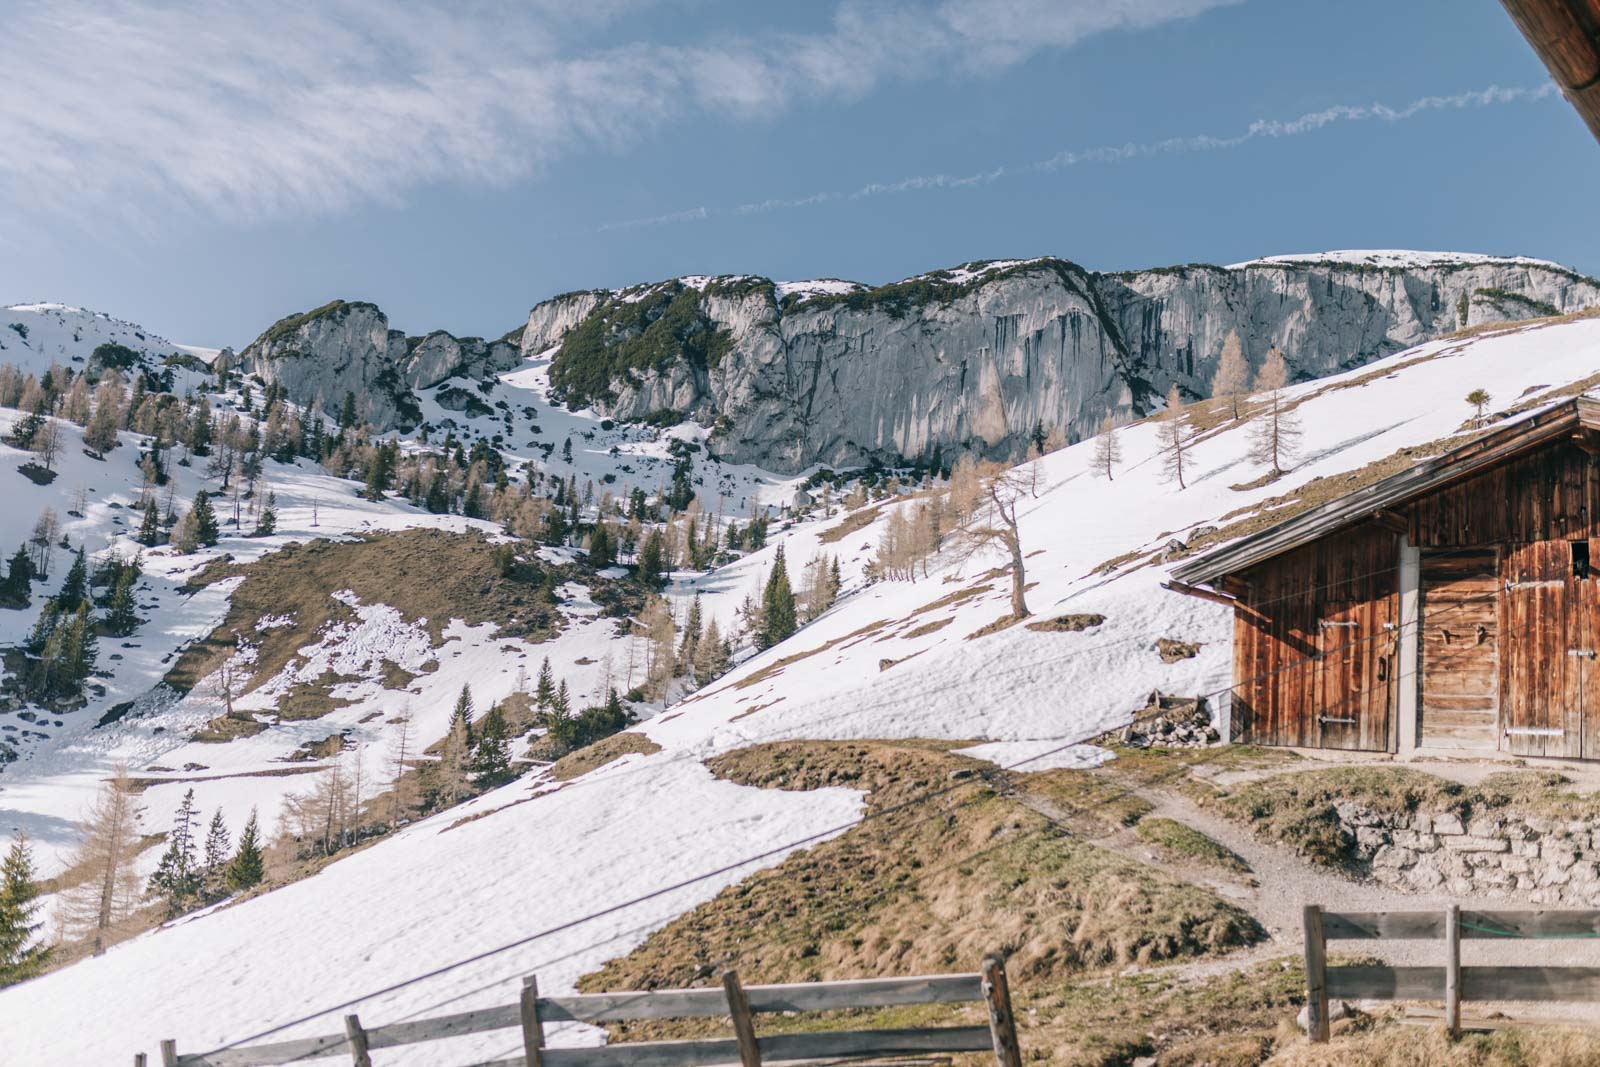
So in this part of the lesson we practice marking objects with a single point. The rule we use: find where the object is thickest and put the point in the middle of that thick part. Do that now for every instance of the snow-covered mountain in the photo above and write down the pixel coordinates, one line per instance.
(32, 336)
(930, 658)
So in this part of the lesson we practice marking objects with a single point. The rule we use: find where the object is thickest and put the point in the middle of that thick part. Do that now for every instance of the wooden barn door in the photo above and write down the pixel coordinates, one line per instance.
(1550, 678)
(1353, 687)
(1459, 650)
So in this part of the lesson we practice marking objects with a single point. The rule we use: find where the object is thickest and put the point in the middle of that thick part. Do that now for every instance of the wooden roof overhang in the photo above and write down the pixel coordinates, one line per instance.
(1566, 34)
(1572, 418)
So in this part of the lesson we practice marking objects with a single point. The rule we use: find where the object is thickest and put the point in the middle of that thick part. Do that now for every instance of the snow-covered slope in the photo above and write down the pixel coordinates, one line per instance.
(892, 659)
(33, 336)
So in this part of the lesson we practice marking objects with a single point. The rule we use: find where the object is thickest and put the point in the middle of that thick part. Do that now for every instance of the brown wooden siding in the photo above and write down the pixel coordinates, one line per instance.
(1509, 626)
(1313, 650)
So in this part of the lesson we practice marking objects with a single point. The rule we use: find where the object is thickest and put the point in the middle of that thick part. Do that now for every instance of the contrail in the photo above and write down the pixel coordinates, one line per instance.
(1261, 129)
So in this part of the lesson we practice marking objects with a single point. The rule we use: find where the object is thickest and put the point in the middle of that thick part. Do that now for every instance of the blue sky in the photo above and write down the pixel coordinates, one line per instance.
(206, 166)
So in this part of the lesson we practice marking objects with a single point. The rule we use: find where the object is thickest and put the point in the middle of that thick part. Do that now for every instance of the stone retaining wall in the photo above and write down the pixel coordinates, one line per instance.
(1536, 859)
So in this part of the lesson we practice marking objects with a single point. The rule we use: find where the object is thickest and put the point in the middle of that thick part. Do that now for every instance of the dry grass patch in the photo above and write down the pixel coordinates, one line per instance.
(225, 728)
(1004, 622)
(851, 523)
(425, 574)
(1185, 844)
(602, 752)
(927, 888)
(1067, 624)
(773, 668)
(927, 628)
(1396, 1045)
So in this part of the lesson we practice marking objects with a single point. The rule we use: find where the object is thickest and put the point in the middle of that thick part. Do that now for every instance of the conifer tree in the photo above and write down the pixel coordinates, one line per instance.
(347, 411)
(80, 649)
(214, 861)
(778, 618)
(205, 520)
(491, 758)
(461, 717)
(693, 624)
(20, 955)
(122, 616)
(200, 430)
(545, 689)
(178, 877)
(711, 655)
(267, 518)
(18, 582)
(75, 587)
(247, 866)
(150, 528)
(652, 560)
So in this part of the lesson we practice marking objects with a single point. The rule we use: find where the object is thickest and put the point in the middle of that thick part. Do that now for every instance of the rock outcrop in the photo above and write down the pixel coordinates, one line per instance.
(346, 348)
(979, 356)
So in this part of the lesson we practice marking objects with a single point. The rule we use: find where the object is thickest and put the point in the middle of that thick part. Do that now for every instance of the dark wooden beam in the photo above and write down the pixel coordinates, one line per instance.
(1585, 439)
(1392, 520)
(1234, 586)
(1566, 36)
(1204, 594)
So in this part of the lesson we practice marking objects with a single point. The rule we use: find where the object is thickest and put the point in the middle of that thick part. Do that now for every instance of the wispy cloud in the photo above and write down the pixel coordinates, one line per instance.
(1261, 129)
(249, 111)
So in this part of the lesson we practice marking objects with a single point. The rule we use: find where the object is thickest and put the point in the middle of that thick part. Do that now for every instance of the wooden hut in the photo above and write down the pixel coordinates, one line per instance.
(1566, 34)
(1453, 607)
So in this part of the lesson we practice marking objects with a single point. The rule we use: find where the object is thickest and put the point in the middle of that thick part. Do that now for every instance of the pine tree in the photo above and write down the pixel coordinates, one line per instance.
(652, 560)
(75, 587)
(347, 412)
(20, 956)
(214, 862)
(1107, 450)
(122, 616)
(267, 518)
(150, 529)
(18, 582)
(247, 866)
(778, 618)
(205, 520)
(602, 550)
(545, 689)
(80, 650)
(692, 627)
(200, 430)
(491, 759)
(461, 717)
(178, 877)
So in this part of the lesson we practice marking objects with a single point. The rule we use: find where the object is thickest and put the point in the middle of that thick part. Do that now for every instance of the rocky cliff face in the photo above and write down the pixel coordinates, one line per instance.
(976, 357)
(347, 348)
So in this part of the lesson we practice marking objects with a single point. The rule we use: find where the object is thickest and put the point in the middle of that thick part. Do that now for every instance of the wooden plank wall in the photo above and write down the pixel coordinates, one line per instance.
(1527, 511)
(1458, 657)
(1285, 683)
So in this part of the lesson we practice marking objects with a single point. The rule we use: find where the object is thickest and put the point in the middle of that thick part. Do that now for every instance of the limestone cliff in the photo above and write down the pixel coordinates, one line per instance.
(975, 357)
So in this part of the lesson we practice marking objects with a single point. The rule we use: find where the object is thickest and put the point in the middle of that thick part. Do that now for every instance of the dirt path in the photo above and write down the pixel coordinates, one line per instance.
(1281, 884)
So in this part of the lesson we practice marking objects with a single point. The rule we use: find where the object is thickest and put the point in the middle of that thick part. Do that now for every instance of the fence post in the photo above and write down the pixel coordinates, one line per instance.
(138, 1059)
(532, 1028)
(169, 1053)
(1452, 970)
(1316, 976)
(1002, 1025)
(744, 1027)
(358, 1041)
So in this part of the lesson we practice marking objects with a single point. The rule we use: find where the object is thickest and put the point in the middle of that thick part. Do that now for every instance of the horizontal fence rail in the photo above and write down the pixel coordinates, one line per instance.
(740, 1003)
(1451, 983)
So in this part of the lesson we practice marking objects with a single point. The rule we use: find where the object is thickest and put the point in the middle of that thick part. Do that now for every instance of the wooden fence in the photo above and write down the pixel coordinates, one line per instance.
(739, 1003)
(1451, 982)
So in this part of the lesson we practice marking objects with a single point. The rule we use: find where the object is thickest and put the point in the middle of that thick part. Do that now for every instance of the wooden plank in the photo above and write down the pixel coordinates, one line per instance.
(169, 1053)
(1316, 975)
(1002, 1024)
(608, 1007)
(1488, 925)
(357, 1038)
(1452, 970)
(744, 1030)
(777, 1048)
(532, 1028)
(1530, 983)
(1378, 982)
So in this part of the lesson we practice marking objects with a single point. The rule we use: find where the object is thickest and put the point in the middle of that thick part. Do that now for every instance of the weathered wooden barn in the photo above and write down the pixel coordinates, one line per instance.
(1450, 607)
